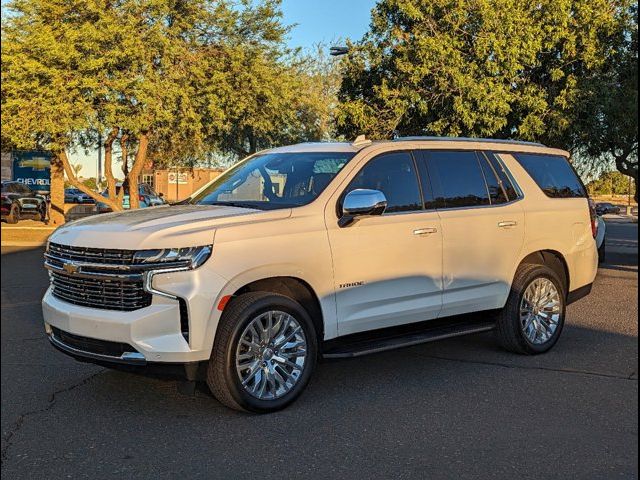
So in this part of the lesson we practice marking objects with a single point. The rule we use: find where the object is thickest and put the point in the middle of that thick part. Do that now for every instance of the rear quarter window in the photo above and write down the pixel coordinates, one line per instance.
(553, 174)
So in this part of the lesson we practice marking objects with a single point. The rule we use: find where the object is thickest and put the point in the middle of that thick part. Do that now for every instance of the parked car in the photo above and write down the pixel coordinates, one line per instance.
(328, 250)
(74, 195)
(601, 233)
(148, 198)
(19, 201)
(604, 208)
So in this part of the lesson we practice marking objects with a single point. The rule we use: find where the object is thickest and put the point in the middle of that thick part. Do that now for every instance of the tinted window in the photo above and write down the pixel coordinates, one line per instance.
(457, 179)
(503, 176)
(394, 175)
(553, 174)
(496, 192)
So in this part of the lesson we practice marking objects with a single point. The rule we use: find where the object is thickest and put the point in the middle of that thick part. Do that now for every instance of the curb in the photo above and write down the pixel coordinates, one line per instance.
(23, 244)
(9, 229)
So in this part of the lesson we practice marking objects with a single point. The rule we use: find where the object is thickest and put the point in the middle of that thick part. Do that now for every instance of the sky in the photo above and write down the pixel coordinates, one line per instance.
(327, 22)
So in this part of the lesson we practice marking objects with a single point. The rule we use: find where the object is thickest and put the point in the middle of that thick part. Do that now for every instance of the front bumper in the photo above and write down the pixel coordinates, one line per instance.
(154, 332)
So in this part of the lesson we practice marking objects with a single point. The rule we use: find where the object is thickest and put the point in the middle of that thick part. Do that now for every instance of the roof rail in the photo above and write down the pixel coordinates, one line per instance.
(361, 141)
(466, 139)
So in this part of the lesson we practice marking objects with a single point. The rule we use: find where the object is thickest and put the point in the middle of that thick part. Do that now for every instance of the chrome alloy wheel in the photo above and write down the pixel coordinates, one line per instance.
(540, 311)
(271, 355)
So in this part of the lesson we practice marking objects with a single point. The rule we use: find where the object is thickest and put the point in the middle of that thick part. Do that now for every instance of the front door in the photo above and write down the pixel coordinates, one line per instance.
(387, 268)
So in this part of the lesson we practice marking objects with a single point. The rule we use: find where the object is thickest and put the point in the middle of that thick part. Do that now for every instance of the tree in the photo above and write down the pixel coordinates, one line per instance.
(278, 102)
(610, 183)
(606, 125)
(142, 74)
(483, 68)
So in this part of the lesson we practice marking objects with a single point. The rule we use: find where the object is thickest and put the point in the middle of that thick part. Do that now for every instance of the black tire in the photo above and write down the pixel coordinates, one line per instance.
(508, 329)
(222, 377)
(14, 214)
(602, 252)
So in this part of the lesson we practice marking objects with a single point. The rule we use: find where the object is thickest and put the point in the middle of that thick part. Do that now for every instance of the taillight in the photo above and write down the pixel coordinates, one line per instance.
(594, 218)
(141, 198)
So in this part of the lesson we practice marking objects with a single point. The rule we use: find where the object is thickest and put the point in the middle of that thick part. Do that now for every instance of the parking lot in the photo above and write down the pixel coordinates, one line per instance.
(461, 408)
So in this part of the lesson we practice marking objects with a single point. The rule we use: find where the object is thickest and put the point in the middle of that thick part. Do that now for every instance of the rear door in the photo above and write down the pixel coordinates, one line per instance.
(387, 268)
(482, 228)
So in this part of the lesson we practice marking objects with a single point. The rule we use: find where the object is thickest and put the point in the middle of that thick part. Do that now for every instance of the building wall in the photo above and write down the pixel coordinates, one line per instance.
(6, 168)
(189, 182)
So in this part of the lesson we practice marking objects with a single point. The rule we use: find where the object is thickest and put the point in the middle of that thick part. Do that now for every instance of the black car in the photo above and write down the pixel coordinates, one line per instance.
(19, 201)
(606, 208)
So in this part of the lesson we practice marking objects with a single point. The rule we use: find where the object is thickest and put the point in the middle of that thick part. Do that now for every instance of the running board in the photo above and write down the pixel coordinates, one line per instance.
(343, 348)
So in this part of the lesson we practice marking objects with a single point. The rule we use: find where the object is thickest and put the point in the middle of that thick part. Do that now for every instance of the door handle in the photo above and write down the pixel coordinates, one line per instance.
(507, 224)
(425, 231)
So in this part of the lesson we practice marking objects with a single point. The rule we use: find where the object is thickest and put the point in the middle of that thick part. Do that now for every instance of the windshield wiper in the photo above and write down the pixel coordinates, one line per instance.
(236, 204)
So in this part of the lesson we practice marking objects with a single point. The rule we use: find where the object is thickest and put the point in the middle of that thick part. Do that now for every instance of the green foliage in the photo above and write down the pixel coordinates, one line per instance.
(87, 182)
(172, 79)
(90, 183)
(500, 68)
(606, 124)
(271, 103)
(610, 183)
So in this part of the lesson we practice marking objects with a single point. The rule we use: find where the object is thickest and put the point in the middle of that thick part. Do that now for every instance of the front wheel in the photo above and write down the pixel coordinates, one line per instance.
(532, 320)
(264, 353)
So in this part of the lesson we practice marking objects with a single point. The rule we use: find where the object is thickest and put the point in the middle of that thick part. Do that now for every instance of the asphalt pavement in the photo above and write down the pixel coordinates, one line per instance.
(460, 408)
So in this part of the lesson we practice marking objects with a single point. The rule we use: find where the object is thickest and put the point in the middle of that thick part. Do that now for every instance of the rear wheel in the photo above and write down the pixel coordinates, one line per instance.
(264, 353)
(14, 214)
(532, 320)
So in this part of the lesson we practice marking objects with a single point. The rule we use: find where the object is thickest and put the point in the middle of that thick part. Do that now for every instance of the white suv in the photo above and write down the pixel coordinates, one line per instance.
(327, 250)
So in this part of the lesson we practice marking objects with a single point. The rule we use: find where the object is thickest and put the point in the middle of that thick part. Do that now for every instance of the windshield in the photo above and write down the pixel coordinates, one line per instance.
(274, 180)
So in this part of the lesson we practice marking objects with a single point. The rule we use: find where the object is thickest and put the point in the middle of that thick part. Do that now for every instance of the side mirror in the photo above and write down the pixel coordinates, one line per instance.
(161, 194)
(360, 203)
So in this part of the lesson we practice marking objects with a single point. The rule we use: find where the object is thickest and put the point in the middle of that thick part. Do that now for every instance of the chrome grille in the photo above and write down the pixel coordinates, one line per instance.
(92, 255)
(101, 278)
(100, 293)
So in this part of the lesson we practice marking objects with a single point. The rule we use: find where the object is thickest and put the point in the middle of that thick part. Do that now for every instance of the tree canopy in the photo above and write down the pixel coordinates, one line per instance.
(474, 68)
(157, 80)
(605, 127)
(563, 72)
(610, 183)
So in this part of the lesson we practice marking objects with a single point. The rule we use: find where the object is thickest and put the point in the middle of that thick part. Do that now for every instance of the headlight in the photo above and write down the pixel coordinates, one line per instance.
(191, 257)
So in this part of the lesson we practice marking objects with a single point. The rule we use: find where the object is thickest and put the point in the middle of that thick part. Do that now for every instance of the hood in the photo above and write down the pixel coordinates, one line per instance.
(158, 227)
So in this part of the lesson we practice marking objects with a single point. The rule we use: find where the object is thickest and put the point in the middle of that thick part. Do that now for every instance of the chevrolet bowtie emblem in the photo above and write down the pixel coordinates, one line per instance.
(70, 268)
